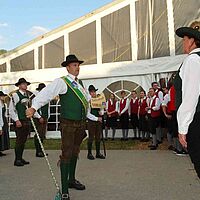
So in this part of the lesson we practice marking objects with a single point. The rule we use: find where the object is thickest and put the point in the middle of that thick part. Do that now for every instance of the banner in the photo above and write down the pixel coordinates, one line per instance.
(99, 101)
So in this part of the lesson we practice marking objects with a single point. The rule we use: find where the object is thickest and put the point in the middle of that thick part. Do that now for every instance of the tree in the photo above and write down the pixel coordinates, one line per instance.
(2, 51)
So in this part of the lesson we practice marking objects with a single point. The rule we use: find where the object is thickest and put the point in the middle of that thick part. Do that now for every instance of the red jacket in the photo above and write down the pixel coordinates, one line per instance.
(112, 107)
(154, 113)
(122, 106)
(171, 104)
(134, 106)
(142, 106)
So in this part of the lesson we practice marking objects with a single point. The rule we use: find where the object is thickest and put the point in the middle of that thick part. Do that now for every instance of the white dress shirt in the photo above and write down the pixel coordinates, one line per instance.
(12, 107)
(160, 96)
(58, 86)
(190, 75)
(150, 101)
(126, 106)
(166, 99)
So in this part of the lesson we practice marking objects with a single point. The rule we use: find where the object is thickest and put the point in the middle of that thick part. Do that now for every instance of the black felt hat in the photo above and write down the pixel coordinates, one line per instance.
(92, 88)
(70, 59)
(40, 86)
(22, 80)
(2, 94)
(193, 31)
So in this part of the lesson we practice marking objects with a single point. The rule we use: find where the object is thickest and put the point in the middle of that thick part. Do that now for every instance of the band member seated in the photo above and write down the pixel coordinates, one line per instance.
(124, 115)
(41, 127)
(111, 120)
(21, 123)
(94, 126)
(142, 115)
(134, 113)
(153, 111)
(4, 134)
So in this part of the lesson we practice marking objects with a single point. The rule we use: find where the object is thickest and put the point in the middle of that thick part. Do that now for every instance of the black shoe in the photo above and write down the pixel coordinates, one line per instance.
(25, 162)
(2, 154)
(113, 139)
(159, 142)
(18, 163)
(40, 155)
(65, 197)
(153, 148)
(90, 156)
(100, 156)
(76, 185)
(181, 153)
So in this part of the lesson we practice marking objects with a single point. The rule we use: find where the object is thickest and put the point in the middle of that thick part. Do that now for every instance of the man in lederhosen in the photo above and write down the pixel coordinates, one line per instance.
(142, 116)
(134, 112)
(124, 115)
(153, 111)
(94, 126)
(41, 127)
(22, 124)
(74, 108)
(187, 86)
(111, 120)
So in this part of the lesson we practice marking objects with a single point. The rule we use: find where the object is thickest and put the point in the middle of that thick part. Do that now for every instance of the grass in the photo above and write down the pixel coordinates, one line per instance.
(54, 144)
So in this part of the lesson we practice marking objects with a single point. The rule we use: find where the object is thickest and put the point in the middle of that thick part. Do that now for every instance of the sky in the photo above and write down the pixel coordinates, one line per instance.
(23, 20)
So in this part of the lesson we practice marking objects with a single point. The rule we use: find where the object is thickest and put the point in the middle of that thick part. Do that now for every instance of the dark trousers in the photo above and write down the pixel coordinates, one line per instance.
(153, 124)
(124, 120)
(172, 125)
(42, 128)
(193, 142)
(94, 130)
(22, 132)
(143, 125)
(134, 121)
(72, 135)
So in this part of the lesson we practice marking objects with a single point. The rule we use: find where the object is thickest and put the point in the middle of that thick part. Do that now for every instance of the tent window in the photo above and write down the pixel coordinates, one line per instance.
(3, 68)
(189, 12)
(160, 29)
(116, 36)
(23, 62)
(143, 29)
(54, 53)
(40, 57)
(82, 43)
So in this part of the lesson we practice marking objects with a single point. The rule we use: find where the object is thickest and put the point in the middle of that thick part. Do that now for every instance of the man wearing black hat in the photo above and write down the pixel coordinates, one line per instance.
(41, 127)
(74, 107)
(4, 134)
(94, 126)
(187, 86)
(21, 122)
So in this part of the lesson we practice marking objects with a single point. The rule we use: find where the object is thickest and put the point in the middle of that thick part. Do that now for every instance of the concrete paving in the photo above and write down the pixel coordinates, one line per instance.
(124, 175)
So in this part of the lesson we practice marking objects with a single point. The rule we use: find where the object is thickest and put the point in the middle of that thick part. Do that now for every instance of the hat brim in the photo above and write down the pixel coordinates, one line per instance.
(65, 63)
(188, 31)
(18, 83)
(93, 90)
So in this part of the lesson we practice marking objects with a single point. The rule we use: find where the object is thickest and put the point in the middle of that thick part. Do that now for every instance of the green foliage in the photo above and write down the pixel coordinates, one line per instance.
(2, 51)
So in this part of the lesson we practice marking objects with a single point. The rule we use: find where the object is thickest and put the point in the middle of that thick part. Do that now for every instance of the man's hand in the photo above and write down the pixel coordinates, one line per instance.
(30, 112)
(18, 124)
(182, 140)
(100, 119)
(41, 120)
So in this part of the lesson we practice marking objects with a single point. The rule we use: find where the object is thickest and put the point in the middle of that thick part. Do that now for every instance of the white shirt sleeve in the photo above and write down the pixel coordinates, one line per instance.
(90, 115)
(1, 117)
(58, 86)
(160, 96)
(190, 75)
(126, 107)
(117, 106)
(12, 109)
(157, 105)
(166, 100)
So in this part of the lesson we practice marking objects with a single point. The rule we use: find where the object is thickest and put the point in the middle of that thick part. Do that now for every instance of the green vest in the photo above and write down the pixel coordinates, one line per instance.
(71, 106)
(21, 109)
(44, 111)
(95, 112)
(178, 88)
